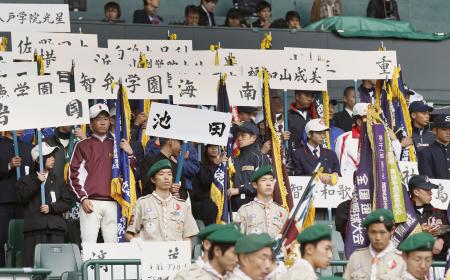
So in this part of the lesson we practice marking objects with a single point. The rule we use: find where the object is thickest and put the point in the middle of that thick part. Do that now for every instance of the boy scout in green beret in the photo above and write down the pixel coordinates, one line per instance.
(262, 214)
(316, 250)
(221, 255)
(418, 254)
(380, 260)
(255, 257)
(160, 216)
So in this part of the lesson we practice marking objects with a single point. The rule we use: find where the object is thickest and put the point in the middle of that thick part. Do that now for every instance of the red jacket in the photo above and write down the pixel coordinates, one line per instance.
(90, 168)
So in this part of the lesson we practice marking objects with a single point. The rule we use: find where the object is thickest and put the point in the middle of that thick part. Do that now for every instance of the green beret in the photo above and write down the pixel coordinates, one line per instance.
(206, 231)
(380, 215)
(314, 233)
(162, 164)
(261, 172)
(423, 241)
(228, 235)
(254, 242)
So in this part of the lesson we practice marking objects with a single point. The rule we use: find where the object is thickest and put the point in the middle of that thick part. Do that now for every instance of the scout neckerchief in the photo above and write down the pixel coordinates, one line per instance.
(307, 265)
(376, 258)
(266, 207)
(208, 268)
(164, 203)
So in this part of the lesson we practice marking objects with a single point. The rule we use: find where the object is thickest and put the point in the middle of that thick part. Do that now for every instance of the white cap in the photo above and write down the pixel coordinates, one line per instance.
(46, 150)
(315, 125)
(360, 109)
(112, 112)
(96, 109)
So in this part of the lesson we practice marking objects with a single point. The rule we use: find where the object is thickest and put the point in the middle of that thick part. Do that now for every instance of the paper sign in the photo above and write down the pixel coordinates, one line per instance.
(145, 83)
(244, 91)
(25, 43)
(189, 124)
(35, 17)
(347, 64)
(18, 69)
(6, 57)
(96, 82)
(194, 89)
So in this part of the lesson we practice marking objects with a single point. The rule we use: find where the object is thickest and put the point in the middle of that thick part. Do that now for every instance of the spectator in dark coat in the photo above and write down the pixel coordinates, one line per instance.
(42, 223)
(420, 116)
(9, 208)
(298, 116)
(207, 8)
(343, 119)
(235, 19)
(384, 9)
(191, 15)
(264, 12)
(148, 15)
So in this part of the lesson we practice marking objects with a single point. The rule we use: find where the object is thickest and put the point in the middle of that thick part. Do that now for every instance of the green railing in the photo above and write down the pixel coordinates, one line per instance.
(26, 271)
(98, 264)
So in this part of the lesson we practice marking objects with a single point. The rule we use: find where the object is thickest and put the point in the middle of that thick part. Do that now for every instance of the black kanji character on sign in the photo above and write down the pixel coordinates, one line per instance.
(162, 121)
(47, 19)
(109, 80)
(63, 76)
(24, 47)
(217, 128)
(301, 75)
(105, 60)
(132, 82)
(49, 57)
(45, 88)
(121, 52)
(34, 18)
(154, 84)
(87, 82)
(22, 89)
(248, 91)
(173, 254)
(315, 78)
(164, 49)
(188, 90)
(384, 65)
(22, 16)
(169, 80)
(4, 114)
(74, 109)
(285, 76)
(59, 18)
(68, 43)
(3, 92)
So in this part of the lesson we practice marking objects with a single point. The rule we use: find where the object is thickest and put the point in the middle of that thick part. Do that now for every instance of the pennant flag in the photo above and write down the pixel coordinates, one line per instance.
(123, 185)
(144, 105)
(224, 172)
(320, 109)
(4, 44)
(40, 64)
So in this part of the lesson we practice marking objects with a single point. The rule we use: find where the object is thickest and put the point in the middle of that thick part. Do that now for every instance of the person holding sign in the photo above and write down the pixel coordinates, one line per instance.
(90, 175)
(221, 255)
(418, 254)
(306, 157)
(249, 159)
(317, 251)
(380, 260)
(255, 257)
(262, 214)
(9, 162)
(42, 223)
(432, 220)
(160, 216)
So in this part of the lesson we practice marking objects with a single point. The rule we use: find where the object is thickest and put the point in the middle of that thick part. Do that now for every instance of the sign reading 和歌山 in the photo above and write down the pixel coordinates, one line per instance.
(189, 124)
(162, 260)
(38, 102)
(34, 17)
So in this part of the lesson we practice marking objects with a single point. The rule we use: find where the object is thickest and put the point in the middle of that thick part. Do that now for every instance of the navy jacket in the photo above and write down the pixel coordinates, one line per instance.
(434, 161)
(343, 120)
(141, 16)
(296, 125)
(422, 138)
(203, 17)
(8, 178)
(304, 161)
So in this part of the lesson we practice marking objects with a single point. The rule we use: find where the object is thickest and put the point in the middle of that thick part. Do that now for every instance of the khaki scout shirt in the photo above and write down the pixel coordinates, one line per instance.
(238, 275)
(390, 266)
(409, 276)
(301, 270)
(206, 272)
(156, 219)
(257, 217)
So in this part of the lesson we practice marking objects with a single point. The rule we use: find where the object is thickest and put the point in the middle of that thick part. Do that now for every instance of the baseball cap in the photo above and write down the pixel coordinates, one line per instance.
(96, 109)
(420, 106)
(442, 121)
(249, 127)
(360, 109)
(112, 112)
(315, 125)
(46, 150)
(246, 109)
(421, 182)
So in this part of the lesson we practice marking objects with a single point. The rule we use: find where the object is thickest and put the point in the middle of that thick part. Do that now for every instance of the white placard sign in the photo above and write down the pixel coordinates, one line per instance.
(159, 260)
(6, 57)
(25, 43)
(145, 83)
(194, 89)
(189, 124)
(348, 64)
(18, 69)
(171, 257)
(35, 17)
(244, 91)
(284, 73)
(47, 109)
(96, 82)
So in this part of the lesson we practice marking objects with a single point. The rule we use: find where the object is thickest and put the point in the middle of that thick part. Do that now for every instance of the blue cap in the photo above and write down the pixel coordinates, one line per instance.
(421, 182)
(249, 127)
(441, 121)
(419, 106)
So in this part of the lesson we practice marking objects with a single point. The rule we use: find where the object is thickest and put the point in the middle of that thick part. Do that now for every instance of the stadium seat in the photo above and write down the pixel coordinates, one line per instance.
(196, 243)
(14, 244)
(59, 258)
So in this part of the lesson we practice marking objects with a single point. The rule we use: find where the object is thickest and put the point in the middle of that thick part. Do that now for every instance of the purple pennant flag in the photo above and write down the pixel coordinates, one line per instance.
(382, 190)
(361, 205)
(402, 230)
